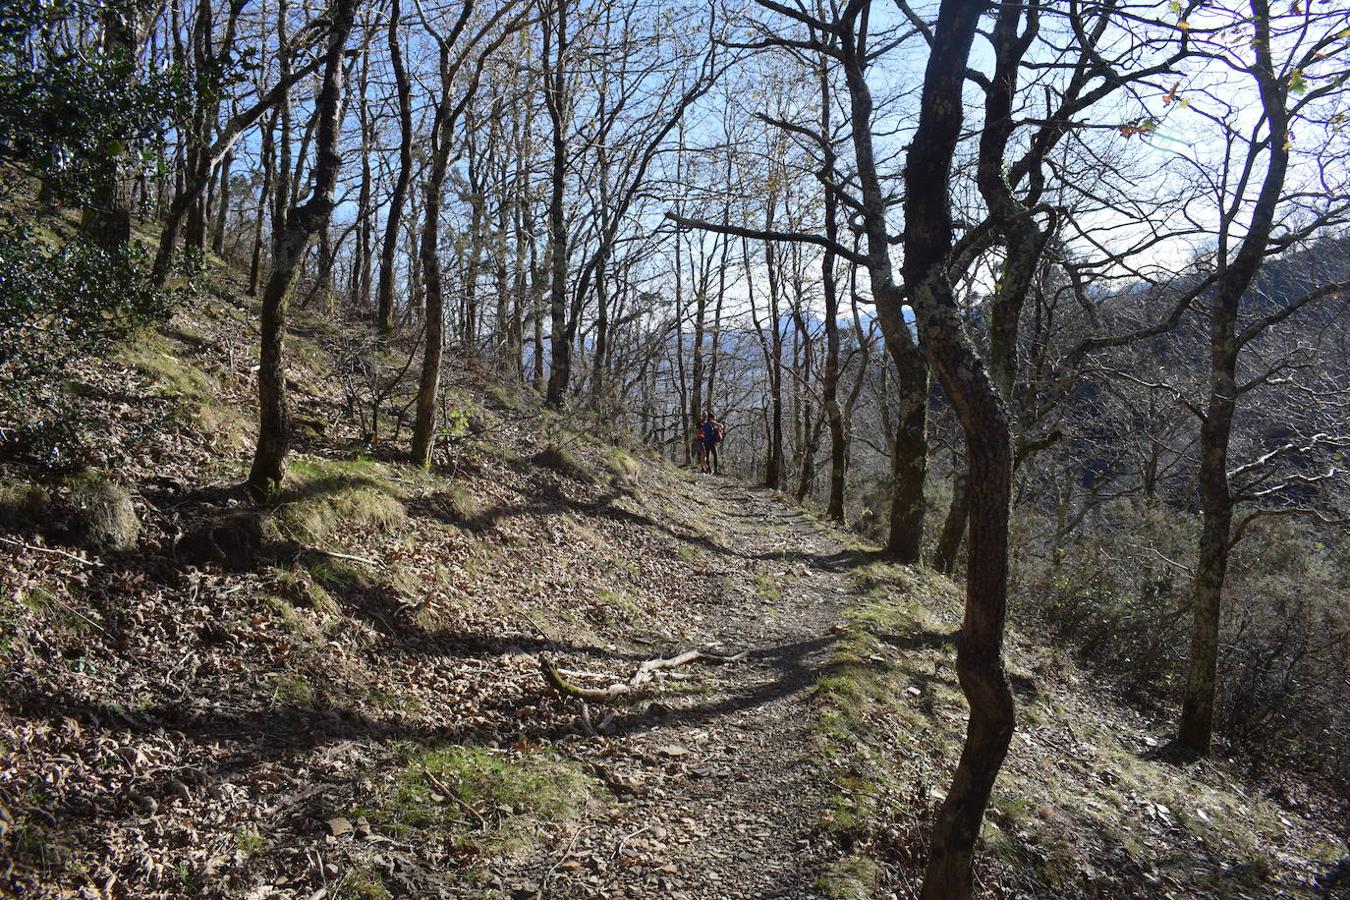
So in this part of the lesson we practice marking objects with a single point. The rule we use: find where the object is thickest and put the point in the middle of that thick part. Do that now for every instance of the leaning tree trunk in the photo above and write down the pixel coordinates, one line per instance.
(980, 408)
(302, 223)
(424, 422)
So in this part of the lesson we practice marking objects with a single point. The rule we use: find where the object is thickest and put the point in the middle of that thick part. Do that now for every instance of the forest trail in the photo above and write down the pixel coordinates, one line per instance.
(721, 798)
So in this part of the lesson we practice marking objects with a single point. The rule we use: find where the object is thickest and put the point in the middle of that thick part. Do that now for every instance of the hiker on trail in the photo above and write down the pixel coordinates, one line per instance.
(712, 436)
(701, 442)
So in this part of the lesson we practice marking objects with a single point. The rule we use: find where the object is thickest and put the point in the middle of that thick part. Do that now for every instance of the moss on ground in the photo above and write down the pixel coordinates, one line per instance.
(768, 587)
(105, 518)
(177, 378)
(292, 689)
(362, 884)
(477, 800)
(320, 495)
(560, 458)
(1078, 808)
(617, 607)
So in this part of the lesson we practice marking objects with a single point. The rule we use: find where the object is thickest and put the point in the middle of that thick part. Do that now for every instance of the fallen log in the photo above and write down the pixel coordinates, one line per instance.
(633, 687)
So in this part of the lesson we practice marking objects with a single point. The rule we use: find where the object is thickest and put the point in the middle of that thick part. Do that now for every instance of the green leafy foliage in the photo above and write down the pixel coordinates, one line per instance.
(57, 307)
(64, 112)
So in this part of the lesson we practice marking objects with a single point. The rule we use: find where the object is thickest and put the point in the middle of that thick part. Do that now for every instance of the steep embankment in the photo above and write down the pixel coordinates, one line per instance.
(341, 691)
(1091, 801)
(340, 694)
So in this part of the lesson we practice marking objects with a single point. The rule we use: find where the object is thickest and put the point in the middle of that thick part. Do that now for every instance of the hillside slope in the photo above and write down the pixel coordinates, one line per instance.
(342, 694)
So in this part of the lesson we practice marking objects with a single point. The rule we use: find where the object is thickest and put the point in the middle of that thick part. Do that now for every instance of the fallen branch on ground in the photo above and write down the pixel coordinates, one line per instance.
(373, 563)
(633, 687)
(52, 550)
(446, 792)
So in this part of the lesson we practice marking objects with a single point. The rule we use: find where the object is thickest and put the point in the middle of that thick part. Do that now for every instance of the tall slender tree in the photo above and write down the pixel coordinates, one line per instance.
(301, 224)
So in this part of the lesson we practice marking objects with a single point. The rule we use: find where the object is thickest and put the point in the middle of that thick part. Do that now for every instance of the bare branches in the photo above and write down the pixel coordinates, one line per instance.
(761, 234)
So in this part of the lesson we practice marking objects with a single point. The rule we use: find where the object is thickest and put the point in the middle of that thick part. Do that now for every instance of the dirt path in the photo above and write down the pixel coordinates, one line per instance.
(719, 797)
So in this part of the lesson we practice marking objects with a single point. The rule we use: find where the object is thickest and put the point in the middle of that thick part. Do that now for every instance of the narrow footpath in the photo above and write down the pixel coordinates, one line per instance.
(718, 794)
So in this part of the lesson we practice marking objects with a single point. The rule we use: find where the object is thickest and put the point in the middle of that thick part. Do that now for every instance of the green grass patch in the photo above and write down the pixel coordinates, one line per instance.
(851, 878)
(249, 840)
(362, 884)
(192, 387)
(560, 458)
(476, 798)
(290, 688)
(507, 396)
(686, 552)
(768, 588)
(617, 607)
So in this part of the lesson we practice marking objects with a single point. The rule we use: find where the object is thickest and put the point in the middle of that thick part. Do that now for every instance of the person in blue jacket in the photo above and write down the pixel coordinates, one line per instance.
(710, 433)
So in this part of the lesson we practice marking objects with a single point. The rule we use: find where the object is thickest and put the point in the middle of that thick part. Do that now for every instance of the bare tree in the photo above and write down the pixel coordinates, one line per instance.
(455, 49)
(301, 224)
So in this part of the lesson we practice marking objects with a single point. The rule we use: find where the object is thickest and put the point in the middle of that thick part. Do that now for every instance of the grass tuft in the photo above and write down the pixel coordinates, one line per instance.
(475, 799)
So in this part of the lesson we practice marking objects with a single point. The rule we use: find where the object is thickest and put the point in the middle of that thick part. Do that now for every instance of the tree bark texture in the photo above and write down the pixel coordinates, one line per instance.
(302, 223)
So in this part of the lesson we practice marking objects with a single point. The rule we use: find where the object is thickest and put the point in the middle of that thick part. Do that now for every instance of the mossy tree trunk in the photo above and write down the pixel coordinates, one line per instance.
(302, 223)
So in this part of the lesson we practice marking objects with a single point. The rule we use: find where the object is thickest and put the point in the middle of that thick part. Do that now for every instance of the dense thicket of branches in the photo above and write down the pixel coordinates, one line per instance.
(1065, 281)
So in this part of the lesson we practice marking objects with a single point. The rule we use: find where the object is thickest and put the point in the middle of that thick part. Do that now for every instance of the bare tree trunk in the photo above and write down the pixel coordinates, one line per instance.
(555, 95)
(361, 269)
(688, 417)
(447, 115)
(1196, 730)
(829, 388)
(384, 291)
(222, 206)
(430, 380)
(954, 526)
(195, 172)
(302, 223)
(774, 459)
(909, 460)
(834, 414)
(537, 304)
(424, 423)
(268, 154)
